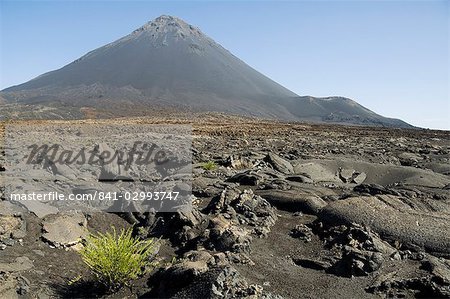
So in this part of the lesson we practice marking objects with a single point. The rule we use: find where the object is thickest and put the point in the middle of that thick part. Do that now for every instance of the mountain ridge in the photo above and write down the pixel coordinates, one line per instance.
(168, 62)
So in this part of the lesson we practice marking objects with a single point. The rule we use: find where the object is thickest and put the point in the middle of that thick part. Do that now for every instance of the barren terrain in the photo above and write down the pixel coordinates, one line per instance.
(290, 210)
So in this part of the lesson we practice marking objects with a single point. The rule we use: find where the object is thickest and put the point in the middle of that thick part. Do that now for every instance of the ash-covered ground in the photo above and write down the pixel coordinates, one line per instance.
(280, 210)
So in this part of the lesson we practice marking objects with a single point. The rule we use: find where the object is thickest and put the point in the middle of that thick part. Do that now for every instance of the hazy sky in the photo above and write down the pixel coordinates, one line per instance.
(392, 57)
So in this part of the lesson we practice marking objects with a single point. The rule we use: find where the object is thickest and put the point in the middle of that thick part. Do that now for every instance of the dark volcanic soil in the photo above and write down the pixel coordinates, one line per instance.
(289, 210)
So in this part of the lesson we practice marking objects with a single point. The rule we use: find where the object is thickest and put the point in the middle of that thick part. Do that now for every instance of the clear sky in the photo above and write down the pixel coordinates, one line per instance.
(390, 56)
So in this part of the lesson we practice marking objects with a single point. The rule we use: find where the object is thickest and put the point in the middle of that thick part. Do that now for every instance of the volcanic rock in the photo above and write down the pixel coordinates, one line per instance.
(293, 200)
(280, 164)
(392, 218)
(64, 229)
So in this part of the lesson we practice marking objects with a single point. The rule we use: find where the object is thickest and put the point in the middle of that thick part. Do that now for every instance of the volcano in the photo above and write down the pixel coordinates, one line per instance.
(170, 64)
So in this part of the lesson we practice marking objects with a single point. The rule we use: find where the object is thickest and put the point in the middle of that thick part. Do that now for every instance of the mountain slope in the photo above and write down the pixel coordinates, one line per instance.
(169, 63)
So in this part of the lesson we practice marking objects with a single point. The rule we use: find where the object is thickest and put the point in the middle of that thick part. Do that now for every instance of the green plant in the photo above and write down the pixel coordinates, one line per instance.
(116, 259)
(74, 280)
(210, 165)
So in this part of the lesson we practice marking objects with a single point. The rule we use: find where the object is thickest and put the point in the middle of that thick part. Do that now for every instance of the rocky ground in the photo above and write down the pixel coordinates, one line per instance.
(290, 211)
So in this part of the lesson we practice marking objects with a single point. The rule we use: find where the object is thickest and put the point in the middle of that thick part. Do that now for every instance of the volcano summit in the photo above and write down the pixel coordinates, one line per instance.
(169, 64)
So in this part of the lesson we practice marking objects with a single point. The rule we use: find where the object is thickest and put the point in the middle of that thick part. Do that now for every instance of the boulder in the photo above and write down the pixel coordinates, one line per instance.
(316, 264)
(392, 218)
(293, 200)
(346, 175)
(302, 232)
(434, 284)
(237, 162)
(439, 282)
(244, 207)
(199, 255)
(12, 222)
(249, 178)
(221, 282)
(356, 262)
(359, 178)
(64, 229)
(409, 159)
(187, 269)
(351, 176)
(224, 236)
(236, 216)
(279, 163)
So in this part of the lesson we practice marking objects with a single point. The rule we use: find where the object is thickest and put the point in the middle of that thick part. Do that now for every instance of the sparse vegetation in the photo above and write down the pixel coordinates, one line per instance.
(117, 258)
(210, 165)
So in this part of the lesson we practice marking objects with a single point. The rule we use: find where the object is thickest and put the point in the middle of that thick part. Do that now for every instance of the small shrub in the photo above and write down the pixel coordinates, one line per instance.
(116, 259)
(210, 165)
